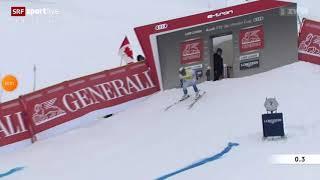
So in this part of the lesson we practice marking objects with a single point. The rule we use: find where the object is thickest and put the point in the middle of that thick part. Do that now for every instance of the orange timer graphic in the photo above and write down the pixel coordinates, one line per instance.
(9, 83)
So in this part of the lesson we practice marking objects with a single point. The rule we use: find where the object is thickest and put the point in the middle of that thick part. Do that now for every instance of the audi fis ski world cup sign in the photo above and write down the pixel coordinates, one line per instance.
(191, 51)
(251, 39)
(309, 41)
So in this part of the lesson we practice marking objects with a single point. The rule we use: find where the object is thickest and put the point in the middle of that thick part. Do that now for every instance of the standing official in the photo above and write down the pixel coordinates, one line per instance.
(218, 64)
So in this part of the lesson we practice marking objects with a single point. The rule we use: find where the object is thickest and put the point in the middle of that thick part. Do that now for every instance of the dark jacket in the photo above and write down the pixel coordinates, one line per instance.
(218, 65)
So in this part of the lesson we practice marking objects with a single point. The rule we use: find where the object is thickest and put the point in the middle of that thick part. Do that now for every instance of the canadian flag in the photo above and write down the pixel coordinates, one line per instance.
(125, 51)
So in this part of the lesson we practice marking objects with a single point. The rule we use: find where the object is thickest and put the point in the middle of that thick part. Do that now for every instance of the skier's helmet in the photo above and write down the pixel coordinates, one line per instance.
(181, 70)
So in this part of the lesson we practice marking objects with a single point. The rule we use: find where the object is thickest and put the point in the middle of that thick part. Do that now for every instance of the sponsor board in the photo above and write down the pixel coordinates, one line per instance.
(249, 56)
(273, 125)
(249, 64)
(47, 111)
(13, 127)
(218, 14)
(44, 109)
(251, 39)
(191, 51)
(70, 100)
(309, 41)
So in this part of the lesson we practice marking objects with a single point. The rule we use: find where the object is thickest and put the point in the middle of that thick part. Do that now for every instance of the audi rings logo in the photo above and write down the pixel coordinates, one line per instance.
(161, 27)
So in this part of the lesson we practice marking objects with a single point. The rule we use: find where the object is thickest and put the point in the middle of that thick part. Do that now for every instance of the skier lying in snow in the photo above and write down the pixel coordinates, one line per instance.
(188, 78)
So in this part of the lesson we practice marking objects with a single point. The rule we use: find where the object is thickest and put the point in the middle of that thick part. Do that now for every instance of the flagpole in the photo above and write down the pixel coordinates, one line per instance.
(125, 52)
(34, 77)
(121, 61)
(299, 21)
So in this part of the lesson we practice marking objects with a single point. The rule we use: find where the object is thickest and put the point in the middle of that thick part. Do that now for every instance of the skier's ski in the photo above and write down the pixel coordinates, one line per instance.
(196, 100)
(181, 100)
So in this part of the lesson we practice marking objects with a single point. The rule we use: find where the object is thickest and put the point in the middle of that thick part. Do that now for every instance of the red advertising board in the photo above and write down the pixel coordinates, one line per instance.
(13, 127)
(72, 99)
(309, 41)
(191, 51)
(251, 39)
(44, 109)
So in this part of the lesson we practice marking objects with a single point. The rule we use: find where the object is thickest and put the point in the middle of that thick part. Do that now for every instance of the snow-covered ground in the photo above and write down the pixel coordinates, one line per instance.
(145, 142)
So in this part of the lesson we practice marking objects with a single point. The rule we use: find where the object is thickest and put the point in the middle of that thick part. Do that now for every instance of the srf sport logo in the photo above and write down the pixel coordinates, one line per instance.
(18, 11)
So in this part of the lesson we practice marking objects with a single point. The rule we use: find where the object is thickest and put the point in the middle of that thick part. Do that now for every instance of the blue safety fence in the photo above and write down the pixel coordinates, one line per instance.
(11, 171)
(202, 162)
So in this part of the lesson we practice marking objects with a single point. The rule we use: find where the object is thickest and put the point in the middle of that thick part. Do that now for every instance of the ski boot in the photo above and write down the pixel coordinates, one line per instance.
(197, 95)
(184, 97)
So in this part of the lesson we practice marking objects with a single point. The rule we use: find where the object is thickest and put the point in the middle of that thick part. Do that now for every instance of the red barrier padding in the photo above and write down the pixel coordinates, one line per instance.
(44, 109)
(13, 127)
(309, 41)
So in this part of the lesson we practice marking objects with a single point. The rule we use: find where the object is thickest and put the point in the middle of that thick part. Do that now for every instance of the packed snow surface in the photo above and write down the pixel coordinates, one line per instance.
(145, 142)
